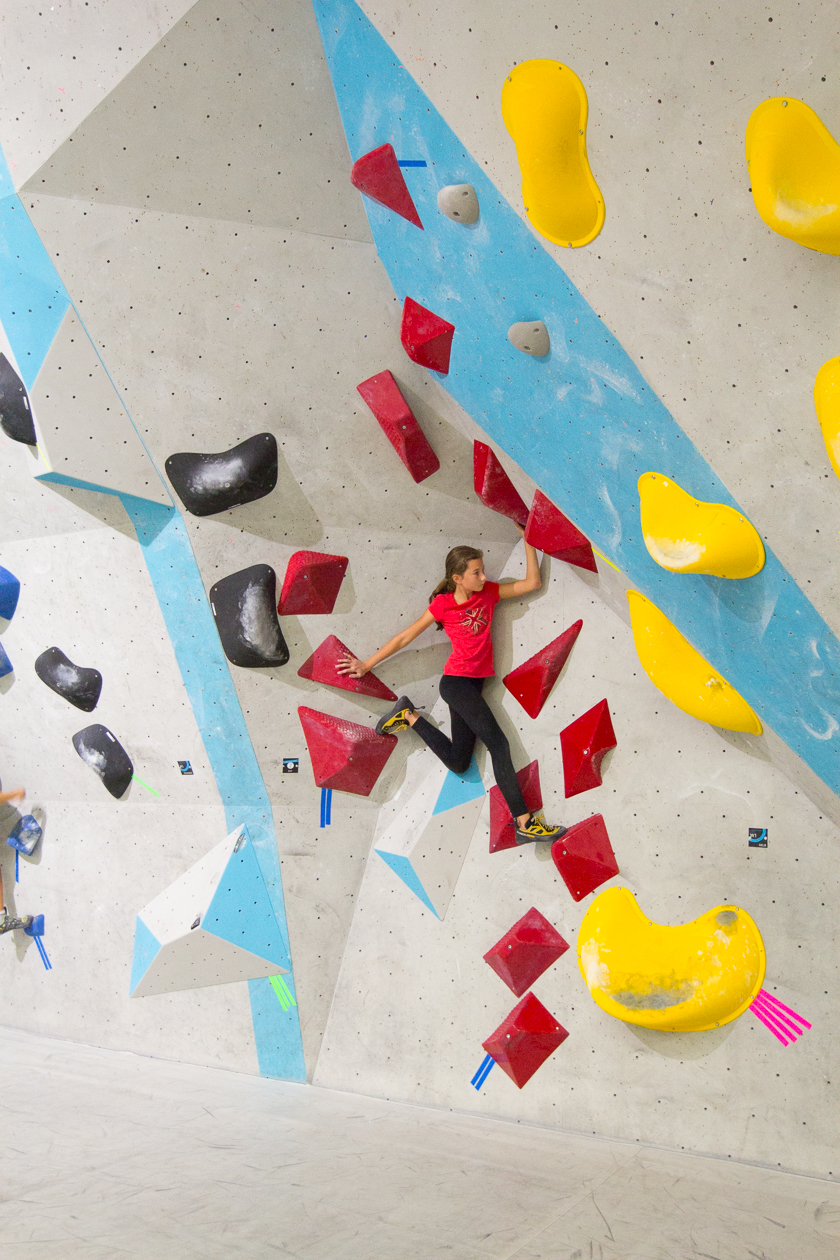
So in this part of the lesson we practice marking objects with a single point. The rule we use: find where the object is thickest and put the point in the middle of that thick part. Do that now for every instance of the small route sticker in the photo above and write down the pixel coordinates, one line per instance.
(290, 765)
(185, 767)
(758, 837)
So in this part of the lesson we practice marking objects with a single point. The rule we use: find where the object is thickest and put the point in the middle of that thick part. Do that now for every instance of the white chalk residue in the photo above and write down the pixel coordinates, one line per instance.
(66, 675)
(595, 972)
(92, 757)
(257, 620)
(831, 725)
(220, 475)
(674, 553)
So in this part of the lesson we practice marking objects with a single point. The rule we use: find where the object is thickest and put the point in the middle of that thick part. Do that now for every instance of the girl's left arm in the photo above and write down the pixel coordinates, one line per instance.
(532, 580)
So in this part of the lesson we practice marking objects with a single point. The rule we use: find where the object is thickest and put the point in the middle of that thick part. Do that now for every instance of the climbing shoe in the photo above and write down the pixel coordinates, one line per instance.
(536, 829)
(395, 719)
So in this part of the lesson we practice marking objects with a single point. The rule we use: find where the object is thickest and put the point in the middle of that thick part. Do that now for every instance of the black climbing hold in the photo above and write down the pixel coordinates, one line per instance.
(213, 483)
(245, 607)
(104, 753)
(79, 685)
(15, 415)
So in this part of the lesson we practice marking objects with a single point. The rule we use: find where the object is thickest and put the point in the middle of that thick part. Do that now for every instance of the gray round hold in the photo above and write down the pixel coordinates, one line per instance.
(531, 337)
(459, 202)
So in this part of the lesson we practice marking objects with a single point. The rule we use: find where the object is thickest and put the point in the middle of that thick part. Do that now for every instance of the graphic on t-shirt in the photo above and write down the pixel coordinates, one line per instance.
(475, 620)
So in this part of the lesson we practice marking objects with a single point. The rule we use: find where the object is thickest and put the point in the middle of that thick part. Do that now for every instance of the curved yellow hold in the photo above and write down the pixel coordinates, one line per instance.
(686, 535)
(681, 673)
(544, 108)
(687, 978)
(794, 168)
(827, 403)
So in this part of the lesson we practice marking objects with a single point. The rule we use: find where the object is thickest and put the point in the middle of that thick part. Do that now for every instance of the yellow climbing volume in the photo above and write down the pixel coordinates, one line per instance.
(794, 169)
(681, 673)
(686, 535)
(686, 978)
(544, 108)
(827, 403)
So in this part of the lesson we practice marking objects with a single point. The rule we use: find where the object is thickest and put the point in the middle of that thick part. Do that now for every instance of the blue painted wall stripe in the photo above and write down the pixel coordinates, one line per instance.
(582, 422)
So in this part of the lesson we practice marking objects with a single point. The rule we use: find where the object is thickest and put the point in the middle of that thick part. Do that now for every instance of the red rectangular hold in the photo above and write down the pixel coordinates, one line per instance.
(494, 487)
(525, 951)
(399, 424)
(321, 667)
(584, 857)
(531, 682)
(524, 1040)
(550, 531)
(585, 742)
(345, 755)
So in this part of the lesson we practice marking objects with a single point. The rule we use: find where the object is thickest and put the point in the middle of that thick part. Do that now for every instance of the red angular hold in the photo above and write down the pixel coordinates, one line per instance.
(584, 743)
(584, 856)
(397, 421)
(377, 174)
(321, 667)
(526, 951)
(523, 1042)
(550, 531)
(532, 681)
(344, 755)
(311, 583)
(494, 487)
(502, 829)
(426, 338)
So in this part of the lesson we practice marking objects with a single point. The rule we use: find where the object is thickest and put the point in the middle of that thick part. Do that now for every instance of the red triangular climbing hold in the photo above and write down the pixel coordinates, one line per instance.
(398, 422)
(377, 174)
(584, 743)
(494, 487)
(524, 1040)
(532, 681)
(550, 531)
(311, 583)
(426, 338)
(321, 668)
(344, 755)
(525, 951)
(584, 856)
(502, 830)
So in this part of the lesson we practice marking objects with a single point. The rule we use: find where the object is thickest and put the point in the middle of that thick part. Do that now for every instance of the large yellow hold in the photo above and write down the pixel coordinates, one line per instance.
(794, 169)
(687, 978)
(544, 108)
(682, 674)
(685, 535)
(827, 403)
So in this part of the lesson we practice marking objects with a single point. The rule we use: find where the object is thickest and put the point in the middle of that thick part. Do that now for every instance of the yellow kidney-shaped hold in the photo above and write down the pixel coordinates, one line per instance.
(827, 403)
(687, 978)
(794, 168)
(685, 535)
(544, 108)
(682, 674)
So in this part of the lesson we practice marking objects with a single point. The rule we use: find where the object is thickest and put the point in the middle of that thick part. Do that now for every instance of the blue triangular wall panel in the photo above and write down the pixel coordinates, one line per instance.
(458, 789)
(241, 910)
(146, 947)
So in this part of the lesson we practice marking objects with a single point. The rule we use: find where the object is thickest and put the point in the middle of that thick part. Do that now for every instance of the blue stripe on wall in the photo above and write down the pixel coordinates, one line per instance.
(583, 422)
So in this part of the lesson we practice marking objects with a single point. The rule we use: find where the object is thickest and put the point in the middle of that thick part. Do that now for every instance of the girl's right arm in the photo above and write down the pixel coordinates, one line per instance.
(354, 668)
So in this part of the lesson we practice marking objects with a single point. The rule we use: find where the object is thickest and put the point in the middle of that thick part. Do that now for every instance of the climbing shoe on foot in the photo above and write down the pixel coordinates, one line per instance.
(537, 829)
(395, 719)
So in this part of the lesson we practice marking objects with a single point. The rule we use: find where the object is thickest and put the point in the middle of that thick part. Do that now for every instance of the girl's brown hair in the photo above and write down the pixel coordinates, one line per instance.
(456, 563)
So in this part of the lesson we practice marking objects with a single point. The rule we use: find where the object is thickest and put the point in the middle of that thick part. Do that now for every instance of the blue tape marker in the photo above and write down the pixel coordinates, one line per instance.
(410, 162)
(17, 866)
(483, 1071)
(326, 806)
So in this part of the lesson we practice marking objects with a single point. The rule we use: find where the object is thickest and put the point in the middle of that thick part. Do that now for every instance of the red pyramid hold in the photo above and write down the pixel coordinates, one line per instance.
(532, 681)
(397, 421)
(311, 583)
(526, 951)
(523, 1041)
(377, 174)
(584, 856)
(426, 338)
(584, 743)
(502, 831)
(550, 531)
(344, 755)
(494, 487)
(321, 667)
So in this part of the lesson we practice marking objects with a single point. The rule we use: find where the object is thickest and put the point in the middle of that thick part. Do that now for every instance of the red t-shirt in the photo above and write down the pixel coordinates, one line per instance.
(468, 625)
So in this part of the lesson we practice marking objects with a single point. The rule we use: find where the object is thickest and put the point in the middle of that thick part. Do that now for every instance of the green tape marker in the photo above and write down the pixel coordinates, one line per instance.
(145, 785)
(284, 993)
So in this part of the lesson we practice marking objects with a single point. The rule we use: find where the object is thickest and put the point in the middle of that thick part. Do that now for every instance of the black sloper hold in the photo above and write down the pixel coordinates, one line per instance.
(76, 683)
(15, 416)
(105, 755)
(245, 607)
(213, 483)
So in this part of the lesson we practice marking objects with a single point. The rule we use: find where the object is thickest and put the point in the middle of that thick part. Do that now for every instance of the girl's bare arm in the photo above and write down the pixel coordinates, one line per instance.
(532, 580)
(354, 668)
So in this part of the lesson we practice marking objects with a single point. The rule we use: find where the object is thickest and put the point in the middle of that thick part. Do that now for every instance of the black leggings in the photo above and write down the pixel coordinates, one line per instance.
(471, 719)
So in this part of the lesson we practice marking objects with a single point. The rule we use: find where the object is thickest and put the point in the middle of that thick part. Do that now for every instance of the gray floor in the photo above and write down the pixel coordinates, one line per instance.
(107, 1154)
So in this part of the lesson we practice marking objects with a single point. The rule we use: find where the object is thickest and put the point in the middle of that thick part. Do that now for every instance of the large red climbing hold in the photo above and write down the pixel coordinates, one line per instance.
(502, 829)
(426, 338)
(550, 531)
(322, 665)
(532, 681)
(494, 487)
(584, 856)
(584, 743)
(377, 174)
(312, 582)
(526, 951)
(397, 421)
(344, 755)
(523, 1041)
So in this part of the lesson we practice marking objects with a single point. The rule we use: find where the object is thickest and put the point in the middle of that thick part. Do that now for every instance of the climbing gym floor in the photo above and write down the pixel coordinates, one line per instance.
(109, 1154)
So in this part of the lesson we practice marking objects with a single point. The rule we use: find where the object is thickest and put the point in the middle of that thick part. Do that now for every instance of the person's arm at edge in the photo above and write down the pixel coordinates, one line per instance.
(532, 580)
(354, 668)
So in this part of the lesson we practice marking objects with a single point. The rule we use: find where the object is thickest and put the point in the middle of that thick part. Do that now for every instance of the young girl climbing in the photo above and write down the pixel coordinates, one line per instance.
(463, 605)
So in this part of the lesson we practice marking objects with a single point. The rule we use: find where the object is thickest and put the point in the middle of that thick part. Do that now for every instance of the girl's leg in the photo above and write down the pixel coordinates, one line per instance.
(463, 695)
(455, 753)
